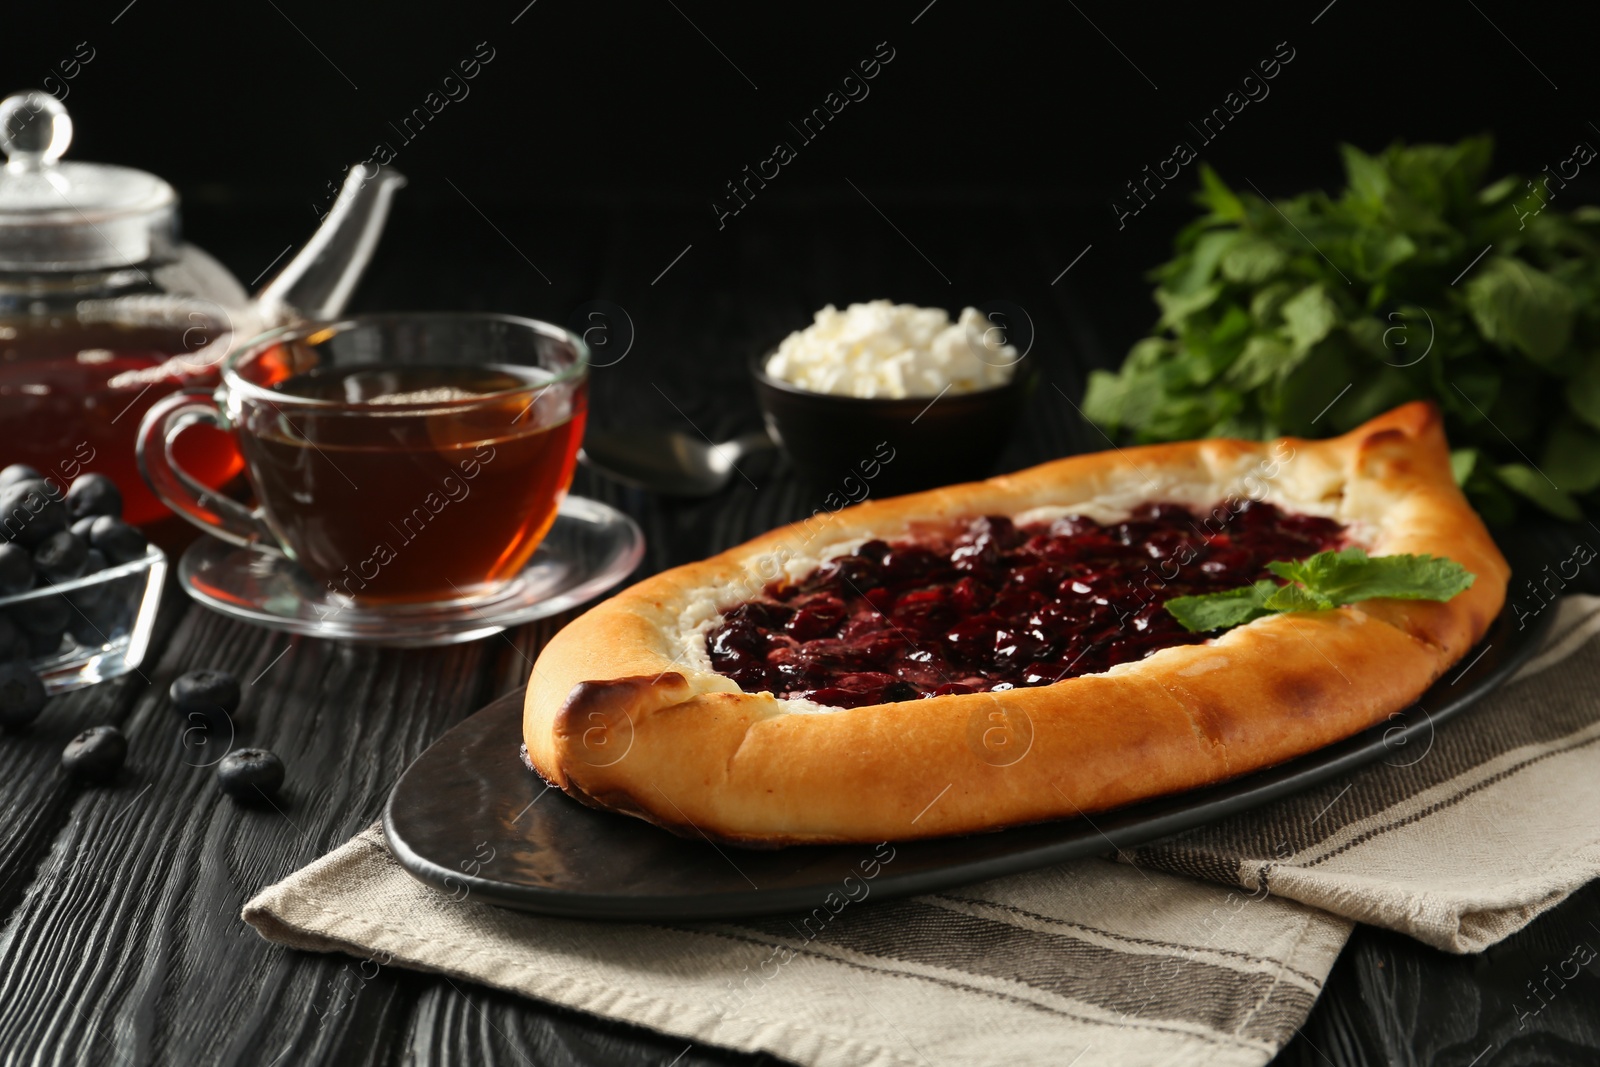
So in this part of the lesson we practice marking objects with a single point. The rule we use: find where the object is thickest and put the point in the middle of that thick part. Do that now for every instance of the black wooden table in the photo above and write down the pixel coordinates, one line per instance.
(122, 941)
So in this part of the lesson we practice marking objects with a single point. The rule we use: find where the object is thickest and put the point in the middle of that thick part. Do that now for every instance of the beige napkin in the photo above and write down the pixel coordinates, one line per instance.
(1457, 840)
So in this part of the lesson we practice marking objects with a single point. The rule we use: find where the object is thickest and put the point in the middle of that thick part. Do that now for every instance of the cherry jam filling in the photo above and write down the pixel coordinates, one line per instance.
(996, 606)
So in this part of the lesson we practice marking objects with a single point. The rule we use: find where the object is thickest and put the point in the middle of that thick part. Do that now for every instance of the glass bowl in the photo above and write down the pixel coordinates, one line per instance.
(109, 617)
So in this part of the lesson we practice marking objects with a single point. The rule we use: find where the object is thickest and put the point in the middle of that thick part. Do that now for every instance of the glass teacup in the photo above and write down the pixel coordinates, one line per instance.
(398, 459)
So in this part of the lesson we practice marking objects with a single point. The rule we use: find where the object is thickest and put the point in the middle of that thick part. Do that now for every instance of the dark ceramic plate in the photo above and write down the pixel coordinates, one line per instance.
(471, 820)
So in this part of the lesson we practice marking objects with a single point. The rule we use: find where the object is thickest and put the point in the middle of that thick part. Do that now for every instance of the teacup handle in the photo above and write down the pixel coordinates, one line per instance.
(208, 509)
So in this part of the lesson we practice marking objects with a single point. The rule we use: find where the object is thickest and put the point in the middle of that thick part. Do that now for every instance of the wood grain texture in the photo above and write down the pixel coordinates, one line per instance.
(121, 940)
(1391, 1001)
(128, 939)
(35, 795)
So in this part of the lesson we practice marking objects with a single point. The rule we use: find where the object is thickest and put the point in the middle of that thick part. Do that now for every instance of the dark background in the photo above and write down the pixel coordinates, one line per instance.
(1029, 115)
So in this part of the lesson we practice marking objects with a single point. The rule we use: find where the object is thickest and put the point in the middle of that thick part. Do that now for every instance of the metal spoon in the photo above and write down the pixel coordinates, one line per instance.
(669, 463)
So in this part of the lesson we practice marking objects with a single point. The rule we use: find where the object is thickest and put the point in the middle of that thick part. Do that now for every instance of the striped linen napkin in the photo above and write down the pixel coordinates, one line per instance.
(1208, 947)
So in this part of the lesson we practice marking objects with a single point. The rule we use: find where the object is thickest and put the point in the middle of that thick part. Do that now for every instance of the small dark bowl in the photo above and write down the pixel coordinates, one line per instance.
(892, 446)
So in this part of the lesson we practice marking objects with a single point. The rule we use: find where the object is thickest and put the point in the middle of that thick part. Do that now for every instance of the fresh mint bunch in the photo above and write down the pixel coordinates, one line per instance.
(1326, 580)
(1417, 281)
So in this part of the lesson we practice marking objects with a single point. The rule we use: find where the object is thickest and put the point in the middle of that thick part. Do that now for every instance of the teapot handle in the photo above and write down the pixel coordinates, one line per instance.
(208, 509)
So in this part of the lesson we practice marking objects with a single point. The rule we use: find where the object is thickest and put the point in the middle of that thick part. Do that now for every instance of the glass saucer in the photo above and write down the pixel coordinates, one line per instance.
(590, 548)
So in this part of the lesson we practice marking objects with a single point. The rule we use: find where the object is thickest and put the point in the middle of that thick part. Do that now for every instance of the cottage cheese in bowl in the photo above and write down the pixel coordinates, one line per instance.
(893, 351)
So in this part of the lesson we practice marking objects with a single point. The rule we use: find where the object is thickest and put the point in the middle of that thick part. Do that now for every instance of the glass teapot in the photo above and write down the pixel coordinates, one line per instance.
(104, 311)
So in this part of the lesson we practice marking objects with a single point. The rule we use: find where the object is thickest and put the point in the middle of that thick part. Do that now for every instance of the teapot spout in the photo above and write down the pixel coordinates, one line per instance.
(317, 282)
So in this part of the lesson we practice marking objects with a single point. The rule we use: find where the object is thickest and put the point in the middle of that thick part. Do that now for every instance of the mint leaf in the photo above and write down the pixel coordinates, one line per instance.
(1349, 575)
(1297, 598)
(1309, 316)
(1583, 392)
(1263, 357)
(1127, 399)
(1529, 483)
(1521, 308)
(1216, 195)
(1325, 581)
(1267, 302)
(1367, 178)
(1222, 611)
(1103, 397)
(1418, 278)
(1572, 456)
(1208, 249)
(1254, 260)
(1175, 307)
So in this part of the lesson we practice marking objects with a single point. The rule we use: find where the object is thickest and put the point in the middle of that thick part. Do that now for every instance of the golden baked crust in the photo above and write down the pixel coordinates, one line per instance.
(624, 713)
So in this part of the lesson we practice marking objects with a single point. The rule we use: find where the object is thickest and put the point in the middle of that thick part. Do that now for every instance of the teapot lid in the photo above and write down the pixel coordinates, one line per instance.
(58, 216)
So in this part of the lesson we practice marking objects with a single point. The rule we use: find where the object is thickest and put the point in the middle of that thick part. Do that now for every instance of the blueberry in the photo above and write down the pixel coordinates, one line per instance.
(248, 773)
(16, 569)
(22, 694)
(13, 642)
(81, 526)
(43, 615)
(94, 494)
(95, 594)
(60, 557)
(119, 542)
(206, 691)
(96, 625)
(30, 512)
(47, 644)
(95, 755)
(19, 472)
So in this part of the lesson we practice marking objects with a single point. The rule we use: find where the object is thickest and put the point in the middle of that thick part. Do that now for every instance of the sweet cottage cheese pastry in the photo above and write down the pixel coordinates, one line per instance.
(1000, 652)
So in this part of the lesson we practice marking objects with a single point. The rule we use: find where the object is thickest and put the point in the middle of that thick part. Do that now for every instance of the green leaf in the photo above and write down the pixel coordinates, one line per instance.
(1307, 386)
(1254, 260)
(1215, 194)
(1350, 575)
(1583, 391)
(1522, 308)
(1367, 178)
(1470, 393)
(1263, 357)
(1374, 392)
(1462, 463)
(1495, 192)
(1509, 349)
(1188, 417)
(1268, 302)
(1327, 580)
(1489, 495)
(1209, 248)
(1298, 598)
(1103, 398)
(1175, 307)
(1222, 611)
(1378, 253)
(1309, 316)
(1572, 456)
(1527, 482)
(1208, 349)
(1147, 353)
(1123, 401)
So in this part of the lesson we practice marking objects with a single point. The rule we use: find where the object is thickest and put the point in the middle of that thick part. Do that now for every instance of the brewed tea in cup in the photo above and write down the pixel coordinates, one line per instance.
(400, 459)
